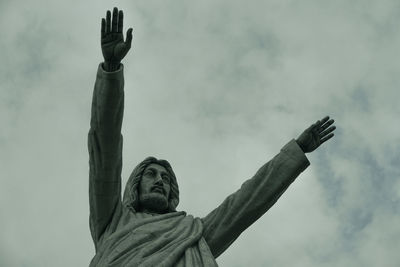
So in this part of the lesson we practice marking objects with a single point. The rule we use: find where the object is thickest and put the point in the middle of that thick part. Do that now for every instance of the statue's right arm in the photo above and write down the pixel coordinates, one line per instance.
(105, 149)
(241, 209)
(104, 138)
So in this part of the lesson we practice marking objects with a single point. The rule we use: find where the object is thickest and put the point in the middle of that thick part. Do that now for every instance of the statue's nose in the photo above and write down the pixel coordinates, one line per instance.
(159, 179)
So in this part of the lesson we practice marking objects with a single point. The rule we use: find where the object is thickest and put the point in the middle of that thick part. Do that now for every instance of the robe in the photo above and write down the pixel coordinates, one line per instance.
(125, 237)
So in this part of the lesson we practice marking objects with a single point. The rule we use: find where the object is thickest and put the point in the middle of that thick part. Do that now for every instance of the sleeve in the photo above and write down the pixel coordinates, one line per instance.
(105, 149)
(242, 208)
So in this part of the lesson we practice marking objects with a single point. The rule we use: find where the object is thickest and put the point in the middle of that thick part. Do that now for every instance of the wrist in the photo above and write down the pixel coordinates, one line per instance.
(300, 145)
(111, 66)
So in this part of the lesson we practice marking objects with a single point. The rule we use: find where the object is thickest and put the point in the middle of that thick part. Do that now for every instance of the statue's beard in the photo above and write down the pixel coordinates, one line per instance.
(154, 201)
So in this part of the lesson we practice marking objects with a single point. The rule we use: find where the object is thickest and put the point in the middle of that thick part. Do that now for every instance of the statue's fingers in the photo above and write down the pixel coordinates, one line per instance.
(329, 122)
(319, 123)
(326, 138)
(103, 27)
(120, 21)
(326, 125)
(325, 119)
(114, 20)
(128, 40)
(108, 21)
(327, 131)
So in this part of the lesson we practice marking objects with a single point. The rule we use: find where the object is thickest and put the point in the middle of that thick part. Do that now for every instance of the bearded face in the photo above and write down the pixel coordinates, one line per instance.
(154, 189)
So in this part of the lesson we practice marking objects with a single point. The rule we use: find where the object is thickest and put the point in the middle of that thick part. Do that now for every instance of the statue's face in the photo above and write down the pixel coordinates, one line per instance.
(154, 188)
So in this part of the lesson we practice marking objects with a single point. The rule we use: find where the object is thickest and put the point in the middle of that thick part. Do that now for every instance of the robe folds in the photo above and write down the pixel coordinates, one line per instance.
(125, 237)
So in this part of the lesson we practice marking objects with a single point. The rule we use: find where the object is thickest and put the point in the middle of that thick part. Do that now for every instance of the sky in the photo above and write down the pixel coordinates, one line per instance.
(216, 88)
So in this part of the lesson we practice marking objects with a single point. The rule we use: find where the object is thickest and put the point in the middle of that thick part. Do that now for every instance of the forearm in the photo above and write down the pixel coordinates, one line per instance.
(108, 100)
(108, 108)
(105, 139)
(238, 211)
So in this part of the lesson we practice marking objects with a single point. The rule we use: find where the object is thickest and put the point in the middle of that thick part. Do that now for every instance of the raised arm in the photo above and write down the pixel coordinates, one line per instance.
(105, 139)
(242, 208)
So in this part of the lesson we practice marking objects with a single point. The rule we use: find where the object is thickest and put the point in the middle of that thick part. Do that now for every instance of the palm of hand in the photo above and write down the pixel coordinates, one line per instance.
(113, 47)
(309, 139)
(316, 134)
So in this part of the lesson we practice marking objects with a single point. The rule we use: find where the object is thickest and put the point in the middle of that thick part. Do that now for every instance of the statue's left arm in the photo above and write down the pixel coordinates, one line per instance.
(242, 208)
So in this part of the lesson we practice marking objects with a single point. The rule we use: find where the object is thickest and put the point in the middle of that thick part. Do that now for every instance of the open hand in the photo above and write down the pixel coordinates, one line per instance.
(112, 40)
(316, 134)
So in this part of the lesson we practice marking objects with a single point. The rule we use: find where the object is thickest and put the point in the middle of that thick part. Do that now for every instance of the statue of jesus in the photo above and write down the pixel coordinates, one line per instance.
(144, 228)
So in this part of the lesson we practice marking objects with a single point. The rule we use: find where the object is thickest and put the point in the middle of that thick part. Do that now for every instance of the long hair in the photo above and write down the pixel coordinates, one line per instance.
(131, 194)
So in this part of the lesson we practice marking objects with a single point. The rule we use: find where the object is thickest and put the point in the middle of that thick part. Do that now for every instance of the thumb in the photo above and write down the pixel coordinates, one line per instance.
(128, 40)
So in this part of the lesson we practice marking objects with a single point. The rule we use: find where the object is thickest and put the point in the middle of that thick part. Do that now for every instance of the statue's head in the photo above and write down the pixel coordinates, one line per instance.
(152, 186)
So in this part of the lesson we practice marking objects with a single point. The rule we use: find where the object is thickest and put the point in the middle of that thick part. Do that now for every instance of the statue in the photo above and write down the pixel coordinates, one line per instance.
(144, 228)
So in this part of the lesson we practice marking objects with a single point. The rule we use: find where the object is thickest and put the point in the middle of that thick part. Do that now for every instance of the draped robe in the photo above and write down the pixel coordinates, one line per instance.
(125, 237)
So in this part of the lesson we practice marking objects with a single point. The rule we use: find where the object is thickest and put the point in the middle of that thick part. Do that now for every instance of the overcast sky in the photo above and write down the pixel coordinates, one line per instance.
(216, 88)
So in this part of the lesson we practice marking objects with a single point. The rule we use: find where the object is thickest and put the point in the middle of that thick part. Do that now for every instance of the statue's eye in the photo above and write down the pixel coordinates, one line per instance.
(149, 172)
(165, 177)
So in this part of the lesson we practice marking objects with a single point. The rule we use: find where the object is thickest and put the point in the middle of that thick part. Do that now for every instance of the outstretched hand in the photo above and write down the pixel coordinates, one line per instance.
(113, 46)
(316, 134)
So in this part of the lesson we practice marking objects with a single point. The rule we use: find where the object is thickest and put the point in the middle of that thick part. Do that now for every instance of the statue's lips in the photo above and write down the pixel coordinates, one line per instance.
(158, 189)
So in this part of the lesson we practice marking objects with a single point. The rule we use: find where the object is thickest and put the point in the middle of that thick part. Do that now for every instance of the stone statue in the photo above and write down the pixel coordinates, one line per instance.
(144, 228)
